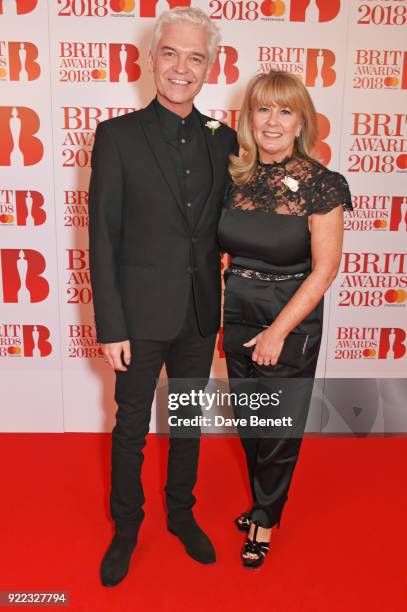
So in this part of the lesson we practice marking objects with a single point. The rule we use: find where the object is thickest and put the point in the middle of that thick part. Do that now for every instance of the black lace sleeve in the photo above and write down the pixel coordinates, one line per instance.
(330, 190)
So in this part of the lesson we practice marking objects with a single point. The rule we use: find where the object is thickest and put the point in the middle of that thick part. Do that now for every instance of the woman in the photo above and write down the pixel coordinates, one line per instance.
(282, 224)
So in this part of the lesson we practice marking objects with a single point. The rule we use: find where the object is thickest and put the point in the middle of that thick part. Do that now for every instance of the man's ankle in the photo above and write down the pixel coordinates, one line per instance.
(183, 520)
(127, 531)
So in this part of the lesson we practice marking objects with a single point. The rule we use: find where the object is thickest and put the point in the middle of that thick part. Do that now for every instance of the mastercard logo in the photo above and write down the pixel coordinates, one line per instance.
(272, 8)
(401, 161)
(391, 81)
(369, 353)
(6, 219)
(380, 224)
(122, 6)
(98, 74)
(14, 350)
(395, 296)
(3, 72)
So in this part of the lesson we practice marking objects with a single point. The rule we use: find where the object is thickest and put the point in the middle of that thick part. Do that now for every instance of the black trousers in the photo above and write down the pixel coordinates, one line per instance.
(271, 459)
(187, 356)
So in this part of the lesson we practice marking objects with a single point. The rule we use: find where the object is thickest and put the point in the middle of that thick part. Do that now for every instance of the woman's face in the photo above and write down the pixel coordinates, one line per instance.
(274, 129)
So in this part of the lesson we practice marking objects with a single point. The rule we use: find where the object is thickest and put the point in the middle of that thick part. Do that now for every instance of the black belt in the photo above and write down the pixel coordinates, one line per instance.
(264, 276)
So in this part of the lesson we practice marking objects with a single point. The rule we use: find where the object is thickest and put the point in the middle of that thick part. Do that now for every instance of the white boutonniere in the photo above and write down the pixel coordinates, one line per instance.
(290, 183)
(212, 125)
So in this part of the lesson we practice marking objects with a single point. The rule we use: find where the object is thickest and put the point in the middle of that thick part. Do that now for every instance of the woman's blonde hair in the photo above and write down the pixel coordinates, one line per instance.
(275, 87)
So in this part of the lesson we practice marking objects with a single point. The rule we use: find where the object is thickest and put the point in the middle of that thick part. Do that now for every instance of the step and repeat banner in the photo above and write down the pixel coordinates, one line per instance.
(66, 65)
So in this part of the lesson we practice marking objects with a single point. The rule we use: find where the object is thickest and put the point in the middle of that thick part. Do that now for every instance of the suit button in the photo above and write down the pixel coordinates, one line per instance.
(189, 204)
(189, 269)
(194, 240)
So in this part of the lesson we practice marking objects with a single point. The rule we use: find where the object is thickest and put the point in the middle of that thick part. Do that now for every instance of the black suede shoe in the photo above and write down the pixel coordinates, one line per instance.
(115, 564)
(196, 542)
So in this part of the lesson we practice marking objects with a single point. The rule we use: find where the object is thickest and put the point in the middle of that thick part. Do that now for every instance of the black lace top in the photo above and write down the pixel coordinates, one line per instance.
(277, 246)
(295, 186)
(279, 243)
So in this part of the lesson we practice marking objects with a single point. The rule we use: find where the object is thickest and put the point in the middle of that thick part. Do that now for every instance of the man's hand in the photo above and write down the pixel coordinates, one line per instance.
(113, 352)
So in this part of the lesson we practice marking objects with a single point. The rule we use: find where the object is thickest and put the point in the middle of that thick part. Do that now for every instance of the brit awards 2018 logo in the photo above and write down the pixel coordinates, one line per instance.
(379, 144)
(322, 149)
(19, 143)
(229, 116)
(224, 70)
(98, 62)
(154, 8)
(121, 7)
(311, 11)
(314, 11)
(377, 213)
(76, 208)
(382, 13)
(21, 208)
(78, 284)
(10, 8)
(372, 280)
(18, 61)
(117, 8)
(370, 343)
(384, 69)
(82, 342)
(234, 10)
(24, 340)
(22, 278)
(79, 125)
(314, 66)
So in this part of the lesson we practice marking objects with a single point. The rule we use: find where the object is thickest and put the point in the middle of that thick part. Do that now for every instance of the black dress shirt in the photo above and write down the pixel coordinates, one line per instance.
(188, 150)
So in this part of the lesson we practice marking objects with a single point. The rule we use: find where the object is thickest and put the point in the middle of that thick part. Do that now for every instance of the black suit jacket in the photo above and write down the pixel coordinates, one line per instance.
(143, 251)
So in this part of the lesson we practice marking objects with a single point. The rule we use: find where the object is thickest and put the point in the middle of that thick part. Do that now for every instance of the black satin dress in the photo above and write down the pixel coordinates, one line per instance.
(264, 228)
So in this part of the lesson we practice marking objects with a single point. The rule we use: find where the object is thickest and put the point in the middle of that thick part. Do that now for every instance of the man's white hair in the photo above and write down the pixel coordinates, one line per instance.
(194, 17)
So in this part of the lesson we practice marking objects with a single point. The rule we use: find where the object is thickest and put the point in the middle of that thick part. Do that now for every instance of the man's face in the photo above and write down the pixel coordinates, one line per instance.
(180, 66)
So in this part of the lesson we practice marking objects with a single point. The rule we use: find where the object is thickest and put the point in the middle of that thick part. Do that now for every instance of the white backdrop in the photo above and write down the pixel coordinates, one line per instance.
(65, 65)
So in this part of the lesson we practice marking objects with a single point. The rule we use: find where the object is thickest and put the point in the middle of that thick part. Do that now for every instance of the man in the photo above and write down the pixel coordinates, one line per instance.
(158, 179)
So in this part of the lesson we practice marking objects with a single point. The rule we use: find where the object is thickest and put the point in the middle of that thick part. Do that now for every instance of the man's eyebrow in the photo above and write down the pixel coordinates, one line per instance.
(168, 48)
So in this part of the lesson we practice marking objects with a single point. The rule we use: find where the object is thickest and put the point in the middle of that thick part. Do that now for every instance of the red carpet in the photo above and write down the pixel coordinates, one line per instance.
(341, 545)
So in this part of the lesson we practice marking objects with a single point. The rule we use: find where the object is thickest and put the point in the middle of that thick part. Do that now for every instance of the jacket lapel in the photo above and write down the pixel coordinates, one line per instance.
(152, 130)
(211, 145)
(159, 149)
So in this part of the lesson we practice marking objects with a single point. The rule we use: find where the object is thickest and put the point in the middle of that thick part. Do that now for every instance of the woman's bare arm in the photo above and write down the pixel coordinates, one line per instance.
(326, 248)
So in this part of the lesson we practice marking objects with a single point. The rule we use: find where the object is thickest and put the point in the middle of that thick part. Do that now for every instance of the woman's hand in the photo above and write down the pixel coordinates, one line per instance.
(326, 247)
(268, 346)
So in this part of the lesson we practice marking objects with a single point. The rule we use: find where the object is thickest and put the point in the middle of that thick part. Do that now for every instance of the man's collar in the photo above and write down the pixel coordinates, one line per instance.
(172, 122)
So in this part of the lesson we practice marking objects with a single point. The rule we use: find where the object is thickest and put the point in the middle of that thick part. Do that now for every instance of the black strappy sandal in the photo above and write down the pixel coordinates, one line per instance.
(243, 522)
(260, 549)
